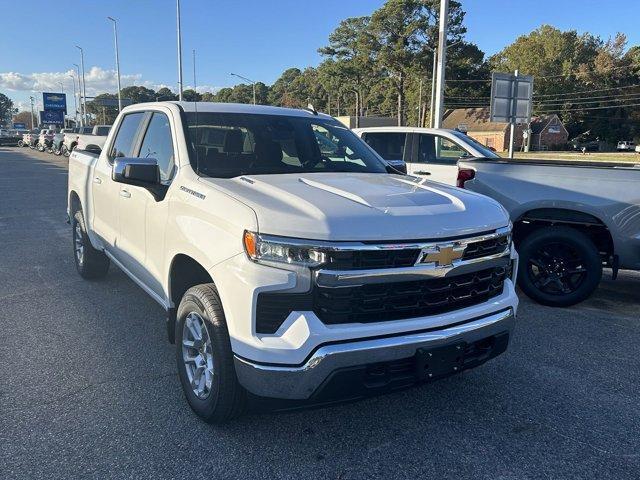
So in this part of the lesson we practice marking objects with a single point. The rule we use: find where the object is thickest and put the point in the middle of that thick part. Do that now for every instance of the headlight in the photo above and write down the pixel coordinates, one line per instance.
(266, 248)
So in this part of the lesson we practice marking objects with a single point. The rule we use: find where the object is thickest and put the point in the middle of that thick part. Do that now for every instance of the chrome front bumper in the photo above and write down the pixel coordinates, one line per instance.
(301, 381)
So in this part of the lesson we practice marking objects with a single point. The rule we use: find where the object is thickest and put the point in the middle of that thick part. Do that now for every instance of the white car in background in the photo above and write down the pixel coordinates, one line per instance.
(428, 152)
(625, 146)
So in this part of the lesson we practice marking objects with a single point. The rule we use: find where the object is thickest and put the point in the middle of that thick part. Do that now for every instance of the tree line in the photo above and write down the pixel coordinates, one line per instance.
(382, 65)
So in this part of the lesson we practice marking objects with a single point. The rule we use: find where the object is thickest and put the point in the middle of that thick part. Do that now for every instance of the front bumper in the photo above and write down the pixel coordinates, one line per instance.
(309, 379)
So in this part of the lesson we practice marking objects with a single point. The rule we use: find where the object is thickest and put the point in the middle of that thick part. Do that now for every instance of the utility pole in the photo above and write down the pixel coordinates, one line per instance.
(514, 106)
(75, 100)
(432, 105)
(115, 36)
(84, 88)
(179, 51)
(419, 122)
(442, 56)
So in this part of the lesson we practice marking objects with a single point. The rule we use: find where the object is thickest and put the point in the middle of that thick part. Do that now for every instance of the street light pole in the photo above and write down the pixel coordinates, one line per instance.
(84, 88)
(179, 51)
(115, 36)
(32, 99)
(80, 94)
(252, 82)
(75, 101)
(194, 72)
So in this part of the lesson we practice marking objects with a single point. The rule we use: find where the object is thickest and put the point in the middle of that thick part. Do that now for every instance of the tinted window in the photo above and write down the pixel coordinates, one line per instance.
(477, 145)
(389, 145)
(123, 144)
(103, 131)
(158, 144)
(228, 145)
(435, 149)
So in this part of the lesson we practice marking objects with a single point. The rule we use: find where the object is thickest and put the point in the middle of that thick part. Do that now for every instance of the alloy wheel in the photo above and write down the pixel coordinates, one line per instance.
(197, 355)
(557, 268)
(78, 243)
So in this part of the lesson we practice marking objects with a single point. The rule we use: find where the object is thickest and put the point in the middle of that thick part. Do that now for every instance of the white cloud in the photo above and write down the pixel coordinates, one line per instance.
(97, 80)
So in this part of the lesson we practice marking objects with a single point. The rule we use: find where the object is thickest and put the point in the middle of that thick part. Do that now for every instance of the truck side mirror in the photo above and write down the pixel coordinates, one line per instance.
(142, 172)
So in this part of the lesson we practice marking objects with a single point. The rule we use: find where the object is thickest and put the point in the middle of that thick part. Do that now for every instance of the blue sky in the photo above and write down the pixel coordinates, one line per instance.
(256, 38)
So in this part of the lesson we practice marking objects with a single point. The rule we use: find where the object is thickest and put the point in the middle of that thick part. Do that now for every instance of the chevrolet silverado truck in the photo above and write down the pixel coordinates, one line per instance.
(570, 219)
(292, 274)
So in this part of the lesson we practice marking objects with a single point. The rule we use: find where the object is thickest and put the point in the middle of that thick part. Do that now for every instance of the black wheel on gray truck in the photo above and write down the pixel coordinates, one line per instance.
(90, 263)
(204, 356)
(559, 266)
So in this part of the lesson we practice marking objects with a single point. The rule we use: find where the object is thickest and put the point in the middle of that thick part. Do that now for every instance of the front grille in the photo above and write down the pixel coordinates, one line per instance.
(486, 248)
(371, 259)
(397, 258)
(400, 300)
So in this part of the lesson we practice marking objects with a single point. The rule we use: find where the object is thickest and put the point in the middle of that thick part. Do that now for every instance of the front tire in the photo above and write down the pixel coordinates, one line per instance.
(204, 357)
(90, 263)
(560, 266)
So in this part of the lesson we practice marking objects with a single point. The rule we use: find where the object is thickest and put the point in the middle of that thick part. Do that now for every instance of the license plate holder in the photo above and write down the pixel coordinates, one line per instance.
(439, 362)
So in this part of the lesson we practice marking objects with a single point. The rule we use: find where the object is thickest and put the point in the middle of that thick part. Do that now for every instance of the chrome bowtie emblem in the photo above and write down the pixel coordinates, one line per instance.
(441, 255)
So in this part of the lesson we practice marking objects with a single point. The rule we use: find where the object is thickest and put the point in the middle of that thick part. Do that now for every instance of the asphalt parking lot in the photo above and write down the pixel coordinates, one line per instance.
(88, 384)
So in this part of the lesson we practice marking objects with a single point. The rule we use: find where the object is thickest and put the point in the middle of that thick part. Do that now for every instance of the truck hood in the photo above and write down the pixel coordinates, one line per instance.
(362, 206)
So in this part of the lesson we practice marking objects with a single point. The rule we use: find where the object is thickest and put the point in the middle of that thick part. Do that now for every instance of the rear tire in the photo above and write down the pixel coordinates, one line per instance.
(90, 263)
(559, 266)
(204, 357)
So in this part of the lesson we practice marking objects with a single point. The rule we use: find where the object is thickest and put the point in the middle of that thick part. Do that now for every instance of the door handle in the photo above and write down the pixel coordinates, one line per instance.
(125, 194)
(97, 180)
(422, 172)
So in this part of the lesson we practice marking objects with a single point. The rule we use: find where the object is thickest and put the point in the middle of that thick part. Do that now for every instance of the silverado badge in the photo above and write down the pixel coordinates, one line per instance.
(441, 255)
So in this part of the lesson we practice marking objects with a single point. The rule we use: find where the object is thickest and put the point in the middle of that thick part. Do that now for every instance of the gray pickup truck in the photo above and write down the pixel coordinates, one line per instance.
(570, 220)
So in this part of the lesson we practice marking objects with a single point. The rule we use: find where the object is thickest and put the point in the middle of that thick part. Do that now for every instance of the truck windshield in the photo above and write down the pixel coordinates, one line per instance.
(228, 145)
(486, 152)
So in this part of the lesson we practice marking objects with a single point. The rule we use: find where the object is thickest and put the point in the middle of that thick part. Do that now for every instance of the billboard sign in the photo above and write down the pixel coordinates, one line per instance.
(112, 102)
(52, 117)
(54, 101)
(511, 98)
(19, 126)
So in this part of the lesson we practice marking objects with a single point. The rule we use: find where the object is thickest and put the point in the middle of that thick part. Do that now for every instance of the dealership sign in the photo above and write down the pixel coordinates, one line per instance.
(52, 117)
(54, 101)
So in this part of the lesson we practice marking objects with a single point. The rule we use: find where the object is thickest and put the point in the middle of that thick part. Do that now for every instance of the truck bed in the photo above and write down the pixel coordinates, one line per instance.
(557, 163)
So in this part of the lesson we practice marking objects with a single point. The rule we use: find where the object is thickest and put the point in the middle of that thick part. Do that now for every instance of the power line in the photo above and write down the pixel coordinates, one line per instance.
(574, 102)
(586, 91)
(591, 108)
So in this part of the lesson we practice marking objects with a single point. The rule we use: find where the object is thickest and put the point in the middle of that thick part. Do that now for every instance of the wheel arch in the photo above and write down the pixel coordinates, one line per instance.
(184, 273)
(585, 222)
(74, 202)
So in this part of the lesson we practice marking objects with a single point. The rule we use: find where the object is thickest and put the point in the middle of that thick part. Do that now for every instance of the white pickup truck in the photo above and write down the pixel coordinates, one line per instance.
(432, 153)
(292, 273)
(86, 138)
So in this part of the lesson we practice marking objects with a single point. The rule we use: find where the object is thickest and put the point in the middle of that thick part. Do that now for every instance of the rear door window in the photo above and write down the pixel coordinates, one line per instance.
(124, 143)
(389, 145)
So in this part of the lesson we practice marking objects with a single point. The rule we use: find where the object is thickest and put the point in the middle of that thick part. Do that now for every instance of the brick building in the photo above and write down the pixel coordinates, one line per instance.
(547, 132)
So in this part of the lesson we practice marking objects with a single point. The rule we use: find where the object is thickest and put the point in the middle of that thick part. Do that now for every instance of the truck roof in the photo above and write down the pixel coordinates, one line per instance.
(243, 108)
